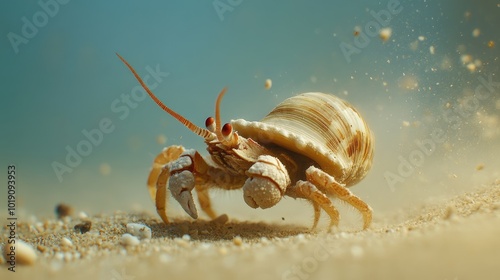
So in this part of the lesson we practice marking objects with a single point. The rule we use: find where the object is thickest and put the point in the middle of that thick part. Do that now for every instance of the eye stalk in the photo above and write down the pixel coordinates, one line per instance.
(224, 133)
(210, 124)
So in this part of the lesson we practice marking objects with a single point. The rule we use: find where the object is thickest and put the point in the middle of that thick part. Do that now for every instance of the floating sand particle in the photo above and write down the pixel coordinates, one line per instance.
(24, 253)
(63, 210)
(139, 230)
(385, 33)
(471, 67)
(408, 82)
(491, 44)
(406, 123)
(478, 62)
(357, 30)
(432, 50)
(268, 84)
(414, 45)
(129, 240)
(421, 38)
(480, 167)
(161, 139)
(476, 32)
(104, 169)
(466, 58)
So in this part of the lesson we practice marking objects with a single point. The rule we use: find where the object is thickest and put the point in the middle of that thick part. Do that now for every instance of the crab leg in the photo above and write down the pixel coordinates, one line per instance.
(327, 184)
(185, 170)
(168, 154)
(307, 190)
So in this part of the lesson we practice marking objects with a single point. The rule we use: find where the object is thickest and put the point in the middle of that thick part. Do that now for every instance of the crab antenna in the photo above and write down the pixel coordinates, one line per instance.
(218, 127)
(196, 129)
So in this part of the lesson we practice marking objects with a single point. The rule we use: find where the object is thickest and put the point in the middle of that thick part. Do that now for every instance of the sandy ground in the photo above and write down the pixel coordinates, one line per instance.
(454, 239)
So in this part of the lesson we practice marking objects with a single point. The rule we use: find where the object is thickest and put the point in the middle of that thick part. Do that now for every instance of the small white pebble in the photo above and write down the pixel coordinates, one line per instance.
(205, 245)
(237, 241)
(186, 237)
(181, 242)
(24, 253)
(82, 215)
(59, 256)
(301, 237)
(139, 230)
(66, 242)
(129, 240)
(264, 240)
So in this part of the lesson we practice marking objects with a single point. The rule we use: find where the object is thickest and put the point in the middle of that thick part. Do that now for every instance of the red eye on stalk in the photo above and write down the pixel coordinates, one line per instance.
(227, 130)
(210, 124)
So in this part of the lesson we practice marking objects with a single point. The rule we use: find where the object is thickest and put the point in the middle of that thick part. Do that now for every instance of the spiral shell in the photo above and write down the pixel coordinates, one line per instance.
(320, 126)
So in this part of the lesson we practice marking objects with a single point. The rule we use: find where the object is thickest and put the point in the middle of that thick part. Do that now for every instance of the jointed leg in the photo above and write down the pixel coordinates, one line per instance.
(183, 171)
(307, 190)
(204, 200)
(158, 178)
(328, 185)
(168, 154)
(317, 213)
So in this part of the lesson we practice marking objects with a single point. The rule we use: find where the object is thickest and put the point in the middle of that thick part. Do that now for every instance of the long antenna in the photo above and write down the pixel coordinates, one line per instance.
(218, 127)
(191, 126)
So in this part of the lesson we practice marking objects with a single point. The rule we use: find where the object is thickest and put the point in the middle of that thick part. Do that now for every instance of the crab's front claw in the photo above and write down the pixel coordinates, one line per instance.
(267, 182)
(180, 185)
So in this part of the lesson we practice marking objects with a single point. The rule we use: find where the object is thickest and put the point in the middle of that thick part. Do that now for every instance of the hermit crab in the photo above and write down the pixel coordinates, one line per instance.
(311, 146)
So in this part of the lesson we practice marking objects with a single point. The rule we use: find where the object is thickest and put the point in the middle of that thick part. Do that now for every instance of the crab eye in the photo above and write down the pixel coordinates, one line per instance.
(227, 130)
(210, 124)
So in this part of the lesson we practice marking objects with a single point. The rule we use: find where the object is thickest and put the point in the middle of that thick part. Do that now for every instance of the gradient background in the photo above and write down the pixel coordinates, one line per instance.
(66, 77)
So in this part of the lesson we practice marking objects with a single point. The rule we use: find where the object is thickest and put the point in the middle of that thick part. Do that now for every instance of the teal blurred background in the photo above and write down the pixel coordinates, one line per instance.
(66, 78)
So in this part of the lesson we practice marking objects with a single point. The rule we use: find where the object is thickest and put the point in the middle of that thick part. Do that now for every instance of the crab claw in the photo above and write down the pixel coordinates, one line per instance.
(267, 182)
(180, 186)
